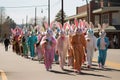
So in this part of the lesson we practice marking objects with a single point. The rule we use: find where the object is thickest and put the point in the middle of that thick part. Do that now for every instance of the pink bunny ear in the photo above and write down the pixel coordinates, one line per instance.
(76, 22)
(51, 24)
(81, 23)
(86, 25)
(69, 25)
(73, 26)
(13, 31)
(46, 25)
(65, 25)
(59, 25)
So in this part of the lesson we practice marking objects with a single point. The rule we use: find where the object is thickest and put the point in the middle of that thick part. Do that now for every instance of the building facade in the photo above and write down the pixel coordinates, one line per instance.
(101, 11)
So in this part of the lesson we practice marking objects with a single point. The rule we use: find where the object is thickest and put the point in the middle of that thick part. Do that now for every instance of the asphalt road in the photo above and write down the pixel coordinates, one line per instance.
(15, 67)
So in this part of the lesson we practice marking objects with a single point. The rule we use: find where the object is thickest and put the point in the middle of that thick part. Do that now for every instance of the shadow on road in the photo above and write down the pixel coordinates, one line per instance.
(65, 71)
(91, 74)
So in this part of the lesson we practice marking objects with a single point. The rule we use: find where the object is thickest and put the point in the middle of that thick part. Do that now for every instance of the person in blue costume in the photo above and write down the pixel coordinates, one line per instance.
(32, 40)
(102, 44)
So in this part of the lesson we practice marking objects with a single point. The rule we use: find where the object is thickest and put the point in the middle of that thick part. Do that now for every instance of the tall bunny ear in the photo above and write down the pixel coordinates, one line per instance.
(99, 26)
(46, 25)
(91, 25)
(76, 22)
(64, 26)
(81, 23)
(86, 25)
(104, 25)
(51, 24)
(73, 26)
(13, 31)
(59, 25)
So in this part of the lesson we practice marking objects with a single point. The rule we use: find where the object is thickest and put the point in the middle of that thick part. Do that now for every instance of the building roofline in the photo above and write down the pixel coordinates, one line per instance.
(76, 16)
(106, 9)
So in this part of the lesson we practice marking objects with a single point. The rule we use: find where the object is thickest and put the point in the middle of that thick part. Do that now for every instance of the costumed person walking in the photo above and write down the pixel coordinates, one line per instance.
(31, 43)
(91, 46)
(25, 46)
(48, 44)
(38, 47)
(78, 44)
(70, 53)
(56, 56)
(62, 48)
(102, 44)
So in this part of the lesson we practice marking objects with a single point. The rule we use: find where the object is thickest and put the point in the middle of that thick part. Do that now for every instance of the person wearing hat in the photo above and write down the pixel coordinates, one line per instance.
(102, 44)
(78, 44)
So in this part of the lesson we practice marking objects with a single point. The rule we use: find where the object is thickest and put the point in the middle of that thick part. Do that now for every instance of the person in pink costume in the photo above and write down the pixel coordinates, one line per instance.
(38, 46)
(48, 44)
(62, 48)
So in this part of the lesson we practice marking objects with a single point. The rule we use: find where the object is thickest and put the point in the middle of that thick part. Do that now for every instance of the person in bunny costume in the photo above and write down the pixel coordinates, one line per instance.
(48, 44)
(102, 44)
(62, 48)
(91, 46)
(78, 44)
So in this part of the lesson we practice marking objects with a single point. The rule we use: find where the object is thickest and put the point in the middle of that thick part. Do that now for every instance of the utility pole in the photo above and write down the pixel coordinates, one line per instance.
(88, 9)
(62, 16)
(26, 20)
(1, 23)
(23, 22)
(48, 12)
(35, 16)
(1, 15)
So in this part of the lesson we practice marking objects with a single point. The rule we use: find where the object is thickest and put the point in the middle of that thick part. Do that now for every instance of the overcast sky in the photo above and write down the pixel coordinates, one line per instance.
(17, 14)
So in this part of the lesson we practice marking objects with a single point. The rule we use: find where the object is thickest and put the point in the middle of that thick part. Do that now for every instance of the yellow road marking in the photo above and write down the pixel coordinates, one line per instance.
(111, 64)
(3, 75)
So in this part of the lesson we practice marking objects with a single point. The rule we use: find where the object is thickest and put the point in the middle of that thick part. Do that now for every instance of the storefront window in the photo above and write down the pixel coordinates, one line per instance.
(105, 18)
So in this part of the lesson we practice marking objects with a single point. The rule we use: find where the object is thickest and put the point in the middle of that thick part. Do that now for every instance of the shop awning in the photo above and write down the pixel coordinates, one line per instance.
(108, 29)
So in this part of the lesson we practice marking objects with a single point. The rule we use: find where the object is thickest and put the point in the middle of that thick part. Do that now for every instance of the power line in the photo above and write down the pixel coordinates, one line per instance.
(27, 6)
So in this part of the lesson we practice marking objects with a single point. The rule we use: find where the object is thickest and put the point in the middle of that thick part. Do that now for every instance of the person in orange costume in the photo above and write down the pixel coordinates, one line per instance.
(78, 43)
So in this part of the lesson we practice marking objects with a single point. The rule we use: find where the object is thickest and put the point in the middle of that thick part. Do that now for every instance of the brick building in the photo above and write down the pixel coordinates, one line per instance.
(101, 11)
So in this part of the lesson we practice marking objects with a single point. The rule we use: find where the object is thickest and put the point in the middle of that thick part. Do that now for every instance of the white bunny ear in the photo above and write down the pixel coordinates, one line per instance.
(46, 25)
(99, 27)
(91, 25)
(104, 25)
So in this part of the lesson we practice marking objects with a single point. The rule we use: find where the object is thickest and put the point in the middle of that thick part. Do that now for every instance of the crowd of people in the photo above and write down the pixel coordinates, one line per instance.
(75, 42)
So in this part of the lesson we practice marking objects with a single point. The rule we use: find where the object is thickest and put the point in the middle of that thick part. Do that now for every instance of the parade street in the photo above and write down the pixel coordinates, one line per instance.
(15, 67)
